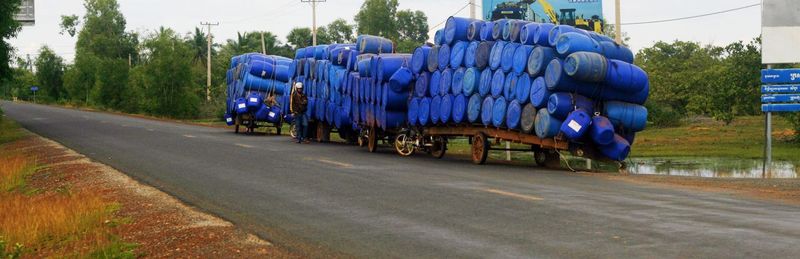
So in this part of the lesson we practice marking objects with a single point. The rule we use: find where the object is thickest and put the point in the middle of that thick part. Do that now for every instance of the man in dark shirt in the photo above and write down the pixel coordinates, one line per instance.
(299, 107)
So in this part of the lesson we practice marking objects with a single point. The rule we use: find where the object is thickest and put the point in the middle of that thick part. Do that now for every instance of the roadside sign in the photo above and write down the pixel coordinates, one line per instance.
(782, 107)
(780, 93)
(774, 89)
(780, 98)
(34, 88)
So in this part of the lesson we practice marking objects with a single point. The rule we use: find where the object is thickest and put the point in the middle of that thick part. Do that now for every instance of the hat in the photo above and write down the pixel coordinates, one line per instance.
(298, 85)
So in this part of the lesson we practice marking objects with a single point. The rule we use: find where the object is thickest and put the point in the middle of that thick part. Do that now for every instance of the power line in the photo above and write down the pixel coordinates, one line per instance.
(693, 16)
(445, 20)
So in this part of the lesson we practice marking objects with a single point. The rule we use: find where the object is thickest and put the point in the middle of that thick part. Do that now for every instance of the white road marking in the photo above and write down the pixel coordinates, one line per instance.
(335, 163)
(189, 136)
(244, 146)
(514, 195)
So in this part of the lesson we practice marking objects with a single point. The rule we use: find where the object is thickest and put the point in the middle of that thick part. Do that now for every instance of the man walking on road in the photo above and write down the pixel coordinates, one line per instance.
(299, 106)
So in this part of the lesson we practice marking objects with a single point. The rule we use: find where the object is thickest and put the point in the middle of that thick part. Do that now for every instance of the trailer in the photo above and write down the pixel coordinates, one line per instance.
(250, 124)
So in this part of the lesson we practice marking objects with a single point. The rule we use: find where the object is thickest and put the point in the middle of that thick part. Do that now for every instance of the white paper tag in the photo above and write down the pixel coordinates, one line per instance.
(263, 73)
(253, 100)
(242, 106)
(272, 114)
(229, 120)
(574, 125)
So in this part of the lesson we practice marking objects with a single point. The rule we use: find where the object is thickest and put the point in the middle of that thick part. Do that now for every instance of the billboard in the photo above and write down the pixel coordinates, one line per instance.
(780, 32)
(585, 14)
(26, 15)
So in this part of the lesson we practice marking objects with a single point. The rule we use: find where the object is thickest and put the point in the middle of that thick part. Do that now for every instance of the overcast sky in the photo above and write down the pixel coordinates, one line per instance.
(280, 16)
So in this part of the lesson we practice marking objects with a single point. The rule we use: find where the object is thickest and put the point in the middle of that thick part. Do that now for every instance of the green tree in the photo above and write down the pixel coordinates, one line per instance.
(378, 17)
(299, 37)
(69, 25)
(50, 74)
(412, 26)
(340, 32)
(8, 29)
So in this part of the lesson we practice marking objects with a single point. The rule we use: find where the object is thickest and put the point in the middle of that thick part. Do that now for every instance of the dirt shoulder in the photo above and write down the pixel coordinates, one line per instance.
(160, 225)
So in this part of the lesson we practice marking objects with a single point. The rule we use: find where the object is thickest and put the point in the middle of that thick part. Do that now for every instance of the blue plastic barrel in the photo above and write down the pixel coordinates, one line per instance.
(446, 82)
(241, 106)
(520, 60)
(254, 101)
(457, 53)
(600, 37)
(586, 66)
(436, 106)
(539, 59)
(612, 50)
(229, 119)
(514, 30)
(499, 112)
(394, 101)
(510, 87)
(542, 34)
(413, 111)
(363, 107)
(558, 80)
(311, 109)
(485, 85)
(455, 29)
(401, 80)
(373, 44)
(419, 61)
(556, 32)
(523, 89)
(470, 81)
(438, 37)
(474, 108)
(631, 117)
(617, 150)
(388, 64)
(459, 111)
(497, 29)
(474, 30)
(546, 126)
(433, 59)
(469, 55)
(444, 56)
(561, 104)
(483, 54)
(486, 111)
(527, 34)
(394, 119)
(496, 56)
(424, 111)
(421, 85)
(436, 80)
(527, 119)
(513, 114)
(637, 98)
(498, 82)
(363, 68)
(625, 77)
(601, 131)
(446, 109)
(299, 53)
(486, 31)
(507, 60)
(458, 81)
(261, 113)
(572, 42)
(320, 106)
(577, 124)
(319, 52)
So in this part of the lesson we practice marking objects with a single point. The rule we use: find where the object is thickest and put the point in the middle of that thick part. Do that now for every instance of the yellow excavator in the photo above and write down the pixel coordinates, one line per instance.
(568, 17)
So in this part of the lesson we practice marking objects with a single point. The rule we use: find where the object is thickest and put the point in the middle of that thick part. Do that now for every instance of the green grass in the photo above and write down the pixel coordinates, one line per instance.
(743, 139)
(9, 130)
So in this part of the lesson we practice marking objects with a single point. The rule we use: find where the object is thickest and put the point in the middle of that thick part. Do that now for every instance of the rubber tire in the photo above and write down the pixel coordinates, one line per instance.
(411, 150)
(480, 148)
(439, 152)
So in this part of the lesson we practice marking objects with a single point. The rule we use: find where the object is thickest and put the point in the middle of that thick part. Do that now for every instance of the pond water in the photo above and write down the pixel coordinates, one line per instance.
(712, 167)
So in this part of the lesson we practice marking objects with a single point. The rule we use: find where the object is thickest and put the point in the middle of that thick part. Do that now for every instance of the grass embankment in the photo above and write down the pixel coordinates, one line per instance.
(744, 139)
(50, 223)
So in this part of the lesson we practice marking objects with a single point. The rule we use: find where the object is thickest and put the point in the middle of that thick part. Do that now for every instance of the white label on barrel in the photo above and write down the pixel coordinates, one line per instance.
(229, 120)
(271, 114)
(242, 106)
(253, 100)
(574, 125)
(263, 73)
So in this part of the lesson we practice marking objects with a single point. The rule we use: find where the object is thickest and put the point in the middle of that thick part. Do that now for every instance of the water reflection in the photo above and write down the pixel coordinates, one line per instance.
(712, 167)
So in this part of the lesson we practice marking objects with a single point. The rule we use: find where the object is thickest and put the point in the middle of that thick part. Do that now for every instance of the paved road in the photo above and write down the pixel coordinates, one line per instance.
(325, 199)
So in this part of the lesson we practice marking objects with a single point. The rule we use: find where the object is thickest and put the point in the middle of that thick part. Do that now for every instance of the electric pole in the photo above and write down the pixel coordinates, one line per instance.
(208, 62)
(263, 44)
(618, 25)
(313, 19)
(472, 9)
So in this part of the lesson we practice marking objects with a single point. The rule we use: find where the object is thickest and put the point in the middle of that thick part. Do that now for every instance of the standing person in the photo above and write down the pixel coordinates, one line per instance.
(299, 106)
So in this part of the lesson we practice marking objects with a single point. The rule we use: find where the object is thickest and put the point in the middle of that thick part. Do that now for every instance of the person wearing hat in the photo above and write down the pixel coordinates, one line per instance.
(299, 106)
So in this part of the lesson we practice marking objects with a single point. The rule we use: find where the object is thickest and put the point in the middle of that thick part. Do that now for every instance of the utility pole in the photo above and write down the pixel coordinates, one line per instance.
(208, 62)
(313, 19)
(472, 9)
(263, 44)
(618, 25)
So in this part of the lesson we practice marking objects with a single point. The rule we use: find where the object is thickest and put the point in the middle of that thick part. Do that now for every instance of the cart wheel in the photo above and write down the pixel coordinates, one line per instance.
(372, 140)
(439, 147)
(237, 122)
(278, 129)
(293, 130)
(363, 139)
(402, 144)
(480, 148)
(323, 132)
(547, 158)
(539, 156)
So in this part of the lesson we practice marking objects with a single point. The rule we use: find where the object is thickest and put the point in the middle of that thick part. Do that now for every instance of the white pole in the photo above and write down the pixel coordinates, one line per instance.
(314, 22)
(618, 25)
(472, 9)
(208, 61)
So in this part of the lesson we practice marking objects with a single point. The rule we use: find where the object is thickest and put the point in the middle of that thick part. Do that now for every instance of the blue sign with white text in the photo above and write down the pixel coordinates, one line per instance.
(34, 88)
(781, 90)
(780, 76)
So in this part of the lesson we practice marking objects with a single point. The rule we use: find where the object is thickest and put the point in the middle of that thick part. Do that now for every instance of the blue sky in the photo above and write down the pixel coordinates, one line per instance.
(280, 16)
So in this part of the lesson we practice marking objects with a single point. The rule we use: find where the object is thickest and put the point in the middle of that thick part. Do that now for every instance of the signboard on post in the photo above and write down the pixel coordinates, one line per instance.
(781, 90)
(780, 32)
(584, 14)
(26, 15)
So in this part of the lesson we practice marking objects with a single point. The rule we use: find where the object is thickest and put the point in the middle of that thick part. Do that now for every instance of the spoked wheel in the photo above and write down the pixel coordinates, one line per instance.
(539, 156)
(293, 130)
(439, 147)
(372, 140)
(480, 148)
(404, 145)
(363, 138)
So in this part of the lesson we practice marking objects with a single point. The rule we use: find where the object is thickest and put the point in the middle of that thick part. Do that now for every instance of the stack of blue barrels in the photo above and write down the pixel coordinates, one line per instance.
(251, 79)
(535, 78)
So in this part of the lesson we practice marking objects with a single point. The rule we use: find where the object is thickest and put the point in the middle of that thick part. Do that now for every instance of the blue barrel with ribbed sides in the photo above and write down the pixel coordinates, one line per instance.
(455, 29)
(486, 31)
(514, 28)
(474, 30)
(459, 110)
(261, 113)
(457, 53)
(527, 35)
(612, 50)
(507, 60)
(254, 101)
(401, 80)
(496, 57)
(510, 87)
(298, 54)
(433, 59)
(424, 111)
(419, 61)
(527, 119)
(631, 117)
(470, 81)
(558, 30)
(483, 54)
(513, 114)
(435, 81)
(561, 104)
(542, 34)
(601, 131)
(547, 126)
(539, 59)
(474, 108)
(395, 101)
(498, 82)
(485, 85)
(617, 150)
(576, 124)
(413, 111)
(458, 81)
(539, 93)
(444, 57)
(469, 55)
(625, 77)
(446, 109)
(586, 66)
(438, 37)
(572, 42)
(558, 81)
(436, 106)
(497, 30)
(388, 64)
(499, 112)
(519, 64)
(486, 111)
(523, 89)
(373, 44)
(421, 85)
(446, 81)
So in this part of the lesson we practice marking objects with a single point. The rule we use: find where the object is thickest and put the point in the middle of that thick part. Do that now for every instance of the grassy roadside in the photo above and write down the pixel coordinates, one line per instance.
(51, 223)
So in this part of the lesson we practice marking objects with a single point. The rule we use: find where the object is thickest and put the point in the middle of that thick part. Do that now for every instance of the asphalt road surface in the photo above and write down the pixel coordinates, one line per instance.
(332, 199)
